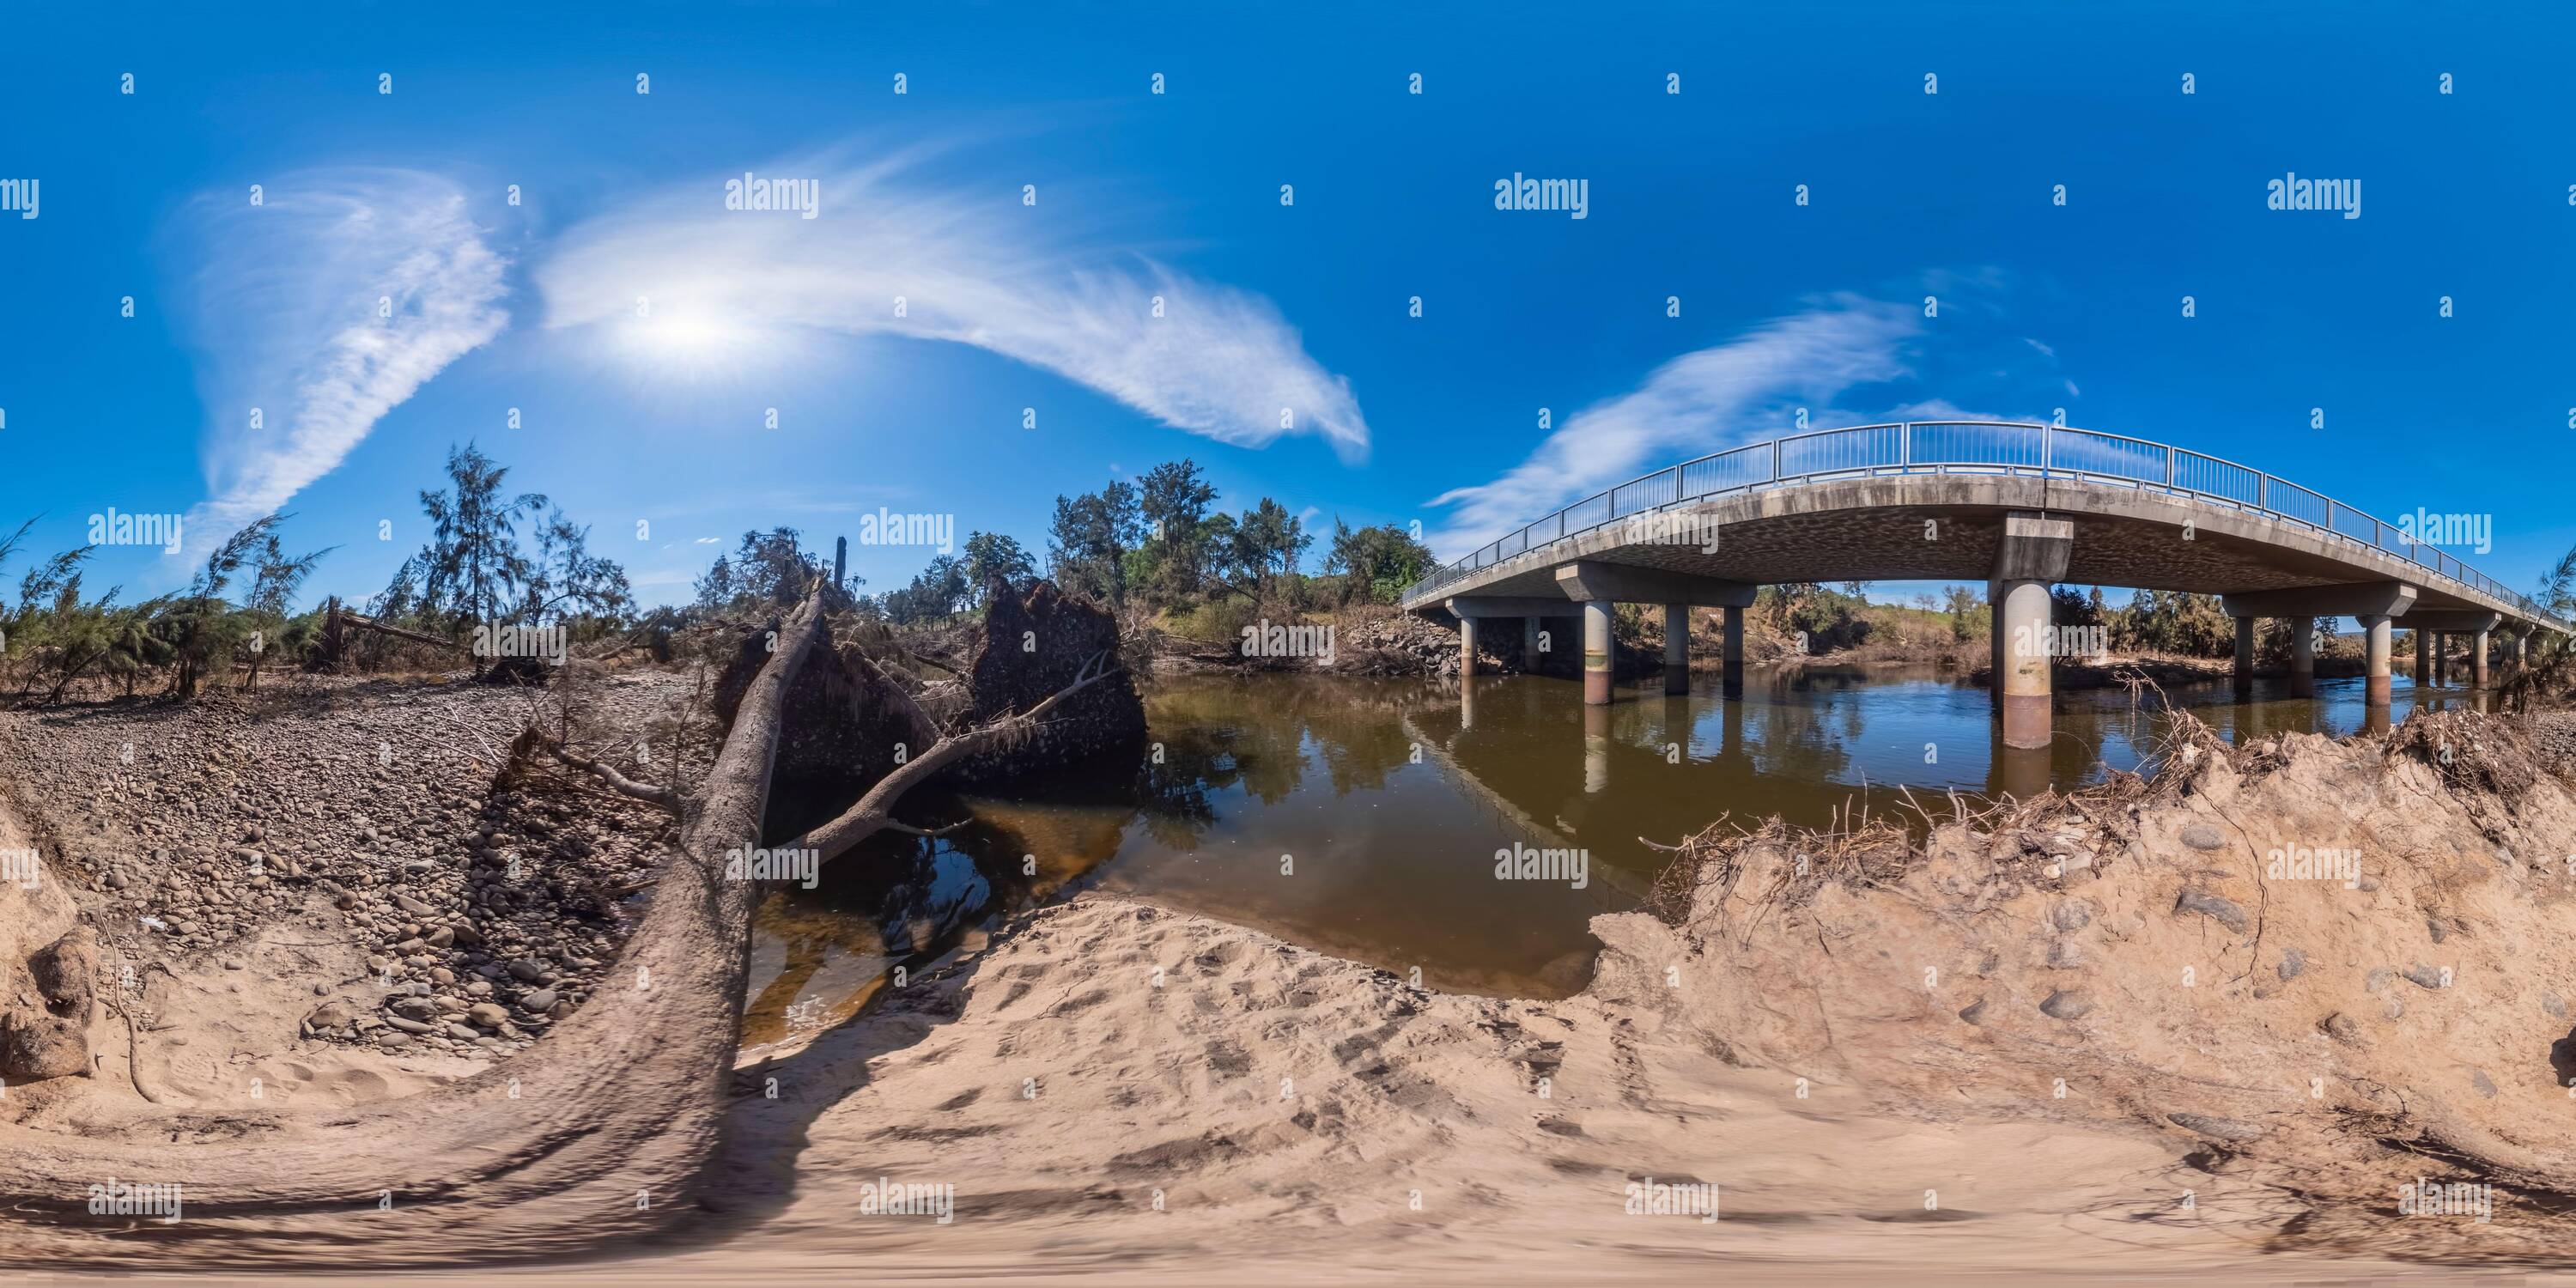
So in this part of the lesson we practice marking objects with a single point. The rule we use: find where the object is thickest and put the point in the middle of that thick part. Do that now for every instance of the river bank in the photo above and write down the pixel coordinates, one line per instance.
(1774, 1033)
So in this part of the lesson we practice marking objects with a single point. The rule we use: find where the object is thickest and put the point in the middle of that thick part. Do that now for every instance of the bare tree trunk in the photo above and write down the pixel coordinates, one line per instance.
(597, 1133)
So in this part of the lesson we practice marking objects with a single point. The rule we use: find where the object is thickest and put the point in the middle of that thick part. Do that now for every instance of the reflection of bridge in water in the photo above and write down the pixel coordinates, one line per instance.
(2022, 507)
(1613, 779)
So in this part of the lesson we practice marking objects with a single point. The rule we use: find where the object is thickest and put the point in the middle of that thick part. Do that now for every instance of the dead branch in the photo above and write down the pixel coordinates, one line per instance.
(873, 811)
(533, 739)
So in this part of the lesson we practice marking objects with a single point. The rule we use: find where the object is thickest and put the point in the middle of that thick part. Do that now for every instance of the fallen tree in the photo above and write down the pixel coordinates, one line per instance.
(597, 1134)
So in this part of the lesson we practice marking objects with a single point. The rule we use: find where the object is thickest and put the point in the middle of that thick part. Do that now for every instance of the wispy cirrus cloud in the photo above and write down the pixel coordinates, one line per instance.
(980, 270)
(323, 308)
(1700, 402)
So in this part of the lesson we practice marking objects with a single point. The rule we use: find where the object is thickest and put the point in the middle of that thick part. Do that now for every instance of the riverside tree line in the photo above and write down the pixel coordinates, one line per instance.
(1156, 548)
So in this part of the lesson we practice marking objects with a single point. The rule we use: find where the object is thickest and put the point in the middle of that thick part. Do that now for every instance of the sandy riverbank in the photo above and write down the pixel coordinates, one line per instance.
(1304, 1117)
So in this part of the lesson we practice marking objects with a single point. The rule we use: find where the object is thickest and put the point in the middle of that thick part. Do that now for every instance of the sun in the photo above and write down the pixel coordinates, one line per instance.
(692, 337)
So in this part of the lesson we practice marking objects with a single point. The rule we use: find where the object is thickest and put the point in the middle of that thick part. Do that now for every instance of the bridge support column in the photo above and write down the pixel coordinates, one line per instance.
(2441, 664)
(2027, 694)
(2478, 660)
(1531, 658)
(2244, 658)
(1596, 652)
(1733, 657)
(2423, 657)
(2303, 657)
(2030, 558)
(1676, 648)
(2376, 635)
(2522, 650)
(1466, 648)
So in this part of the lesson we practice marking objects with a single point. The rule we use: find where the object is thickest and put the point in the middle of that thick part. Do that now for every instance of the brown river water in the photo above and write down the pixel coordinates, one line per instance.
(1363, 817)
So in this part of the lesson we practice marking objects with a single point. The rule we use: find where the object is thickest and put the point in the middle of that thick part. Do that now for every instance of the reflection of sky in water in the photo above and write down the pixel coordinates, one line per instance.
(955, 886)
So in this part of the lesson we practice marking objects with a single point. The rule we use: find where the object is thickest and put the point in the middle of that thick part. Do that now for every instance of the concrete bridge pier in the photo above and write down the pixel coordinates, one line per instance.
(2377, 605)
(1532, 627)
(2377, 636)
(2031, 558)
(2303, 657)
(2244, 675)
(1676, 648)
(1466, 648)
(1598, 585)
(2522, 649)
(2440, 624)
(1596, 652)
(2423, 657)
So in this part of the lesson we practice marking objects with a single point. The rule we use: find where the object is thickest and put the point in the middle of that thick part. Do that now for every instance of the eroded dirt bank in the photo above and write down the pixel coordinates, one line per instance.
(2207, 1026)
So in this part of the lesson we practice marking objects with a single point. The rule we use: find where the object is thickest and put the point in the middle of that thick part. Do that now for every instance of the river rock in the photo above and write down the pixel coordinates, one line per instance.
(2203, 836)
(2216, 1128)
(44, 1025)
(2066, 1004)
(2223, 911)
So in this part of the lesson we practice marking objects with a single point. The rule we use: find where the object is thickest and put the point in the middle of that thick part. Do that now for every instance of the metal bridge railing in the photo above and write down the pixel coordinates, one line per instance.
(1978, 447)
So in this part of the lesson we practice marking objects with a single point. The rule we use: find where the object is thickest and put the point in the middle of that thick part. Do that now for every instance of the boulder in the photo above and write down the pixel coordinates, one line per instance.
(45, 1015)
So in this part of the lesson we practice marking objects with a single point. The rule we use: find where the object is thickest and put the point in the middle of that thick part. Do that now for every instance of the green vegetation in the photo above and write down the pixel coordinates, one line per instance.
(1160, 549)
(238, 612)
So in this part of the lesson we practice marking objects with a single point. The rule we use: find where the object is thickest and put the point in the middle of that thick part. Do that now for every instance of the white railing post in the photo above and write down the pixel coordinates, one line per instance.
(2169, 468)
(1775, 460)
(1905, 446)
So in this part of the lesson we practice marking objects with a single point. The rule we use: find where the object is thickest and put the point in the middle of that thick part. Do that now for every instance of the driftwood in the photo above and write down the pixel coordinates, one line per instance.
(347, 618)
(596, 1136)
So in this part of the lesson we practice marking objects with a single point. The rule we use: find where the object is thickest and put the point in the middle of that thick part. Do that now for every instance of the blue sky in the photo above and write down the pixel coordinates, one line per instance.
(662, 419)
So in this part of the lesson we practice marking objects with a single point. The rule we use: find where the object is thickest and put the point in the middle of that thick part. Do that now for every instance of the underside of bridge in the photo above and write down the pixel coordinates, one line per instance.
(2018, 535)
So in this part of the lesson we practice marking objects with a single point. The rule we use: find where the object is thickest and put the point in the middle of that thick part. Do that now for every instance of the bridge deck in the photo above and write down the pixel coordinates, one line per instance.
(1824, 507)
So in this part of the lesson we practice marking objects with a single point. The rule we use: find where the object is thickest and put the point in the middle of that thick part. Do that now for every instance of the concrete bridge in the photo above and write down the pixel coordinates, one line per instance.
(2018, 506)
